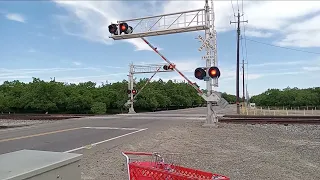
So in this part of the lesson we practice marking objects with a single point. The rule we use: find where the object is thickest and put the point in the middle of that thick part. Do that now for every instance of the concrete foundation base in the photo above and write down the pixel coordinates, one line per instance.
(131, 111)
(214, 125)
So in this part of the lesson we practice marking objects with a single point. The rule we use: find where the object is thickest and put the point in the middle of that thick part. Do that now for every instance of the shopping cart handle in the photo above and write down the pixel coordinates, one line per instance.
(137, 153)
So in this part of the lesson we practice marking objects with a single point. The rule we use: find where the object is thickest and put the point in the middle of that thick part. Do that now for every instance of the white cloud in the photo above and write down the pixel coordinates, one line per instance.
(187, 66)
(77, 63)
(277, 63)
(258, 34)
(141, 45)
(90, 20)
(31, 50)
(303, 34)
(97, 79)
(256, 72)
(290, 21)
(16, 17)
(4, 73)
(311, 68)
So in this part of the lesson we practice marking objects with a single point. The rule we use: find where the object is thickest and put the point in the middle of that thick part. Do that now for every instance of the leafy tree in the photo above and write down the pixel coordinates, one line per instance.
(39, 96)
(288, 97)
(98, 108)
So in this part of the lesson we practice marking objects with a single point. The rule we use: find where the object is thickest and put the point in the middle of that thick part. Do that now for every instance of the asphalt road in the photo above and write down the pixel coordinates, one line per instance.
(74, 134)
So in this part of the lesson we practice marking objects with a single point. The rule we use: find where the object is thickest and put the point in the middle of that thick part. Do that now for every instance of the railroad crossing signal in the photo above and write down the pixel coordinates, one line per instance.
(133, 91)
(123, 28)
(168, 67)
(201, 74)
(214, 72)
(113, 29)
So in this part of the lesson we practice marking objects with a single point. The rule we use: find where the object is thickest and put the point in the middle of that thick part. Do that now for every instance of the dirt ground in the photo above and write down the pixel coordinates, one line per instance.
(238, 151)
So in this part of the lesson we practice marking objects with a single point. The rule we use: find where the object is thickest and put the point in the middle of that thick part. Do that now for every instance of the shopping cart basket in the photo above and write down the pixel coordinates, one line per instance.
(158, 169)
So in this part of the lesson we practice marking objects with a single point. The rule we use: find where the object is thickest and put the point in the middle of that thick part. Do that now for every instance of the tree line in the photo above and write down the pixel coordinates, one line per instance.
(288, 97)
(39, 96)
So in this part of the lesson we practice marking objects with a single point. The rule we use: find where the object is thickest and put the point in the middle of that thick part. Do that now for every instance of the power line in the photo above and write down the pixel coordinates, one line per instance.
(233, 9)
(310, 52)
(234, 14)
(238, 4)
(241, 39)
(245, 42)
(242, 6)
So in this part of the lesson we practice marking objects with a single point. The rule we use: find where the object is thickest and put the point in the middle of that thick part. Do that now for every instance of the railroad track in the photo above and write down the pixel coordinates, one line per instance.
(270, 119)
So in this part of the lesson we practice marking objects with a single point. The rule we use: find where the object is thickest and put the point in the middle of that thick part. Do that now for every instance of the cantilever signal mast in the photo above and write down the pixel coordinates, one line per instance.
(140, 69)
(186, 21)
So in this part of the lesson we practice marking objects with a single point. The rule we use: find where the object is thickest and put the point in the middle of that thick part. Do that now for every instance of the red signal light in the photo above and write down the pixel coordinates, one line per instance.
(129, 91)
(214, 72)
(134, 92)
(123, 28)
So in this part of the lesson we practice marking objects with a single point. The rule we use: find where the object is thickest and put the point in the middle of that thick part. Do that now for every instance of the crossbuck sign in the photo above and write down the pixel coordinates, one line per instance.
(206, 43)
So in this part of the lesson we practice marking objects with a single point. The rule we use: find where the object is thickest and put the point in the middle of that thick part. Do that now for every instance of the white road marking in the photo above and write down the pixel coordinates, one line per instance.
(100, 142)
(16, 128)
(130, 129)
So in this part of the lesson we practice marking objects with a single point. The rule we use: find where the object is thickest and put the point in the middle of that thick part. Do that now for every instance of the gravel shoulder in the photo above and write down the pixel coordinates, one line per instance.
(235, 150)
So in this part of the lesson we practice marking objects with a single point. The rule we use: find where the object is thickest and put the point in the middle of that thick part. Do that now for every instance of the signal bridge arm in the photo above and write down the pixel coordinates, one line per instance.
(179, 22)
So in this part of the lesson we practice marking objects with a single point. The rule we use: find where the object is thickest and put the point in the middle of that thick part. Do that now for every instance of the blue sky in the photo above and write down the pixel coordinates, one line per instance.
(69, 40)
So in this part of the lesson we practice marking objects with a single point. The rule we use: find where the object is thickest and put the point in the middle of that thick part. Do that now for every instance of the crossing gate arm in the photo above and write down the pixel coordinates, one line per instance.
(174, 67)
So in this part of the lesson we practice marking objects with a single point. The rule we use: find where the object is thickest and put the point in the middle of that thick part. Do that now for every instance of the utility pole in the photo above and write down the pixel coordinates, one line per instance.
(238, 61)
(243, 97)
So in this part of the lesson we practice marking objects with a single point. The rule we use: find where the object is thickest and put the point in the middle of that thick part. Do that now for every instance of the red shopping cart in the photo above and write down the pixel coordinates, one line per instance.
(157, 169)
